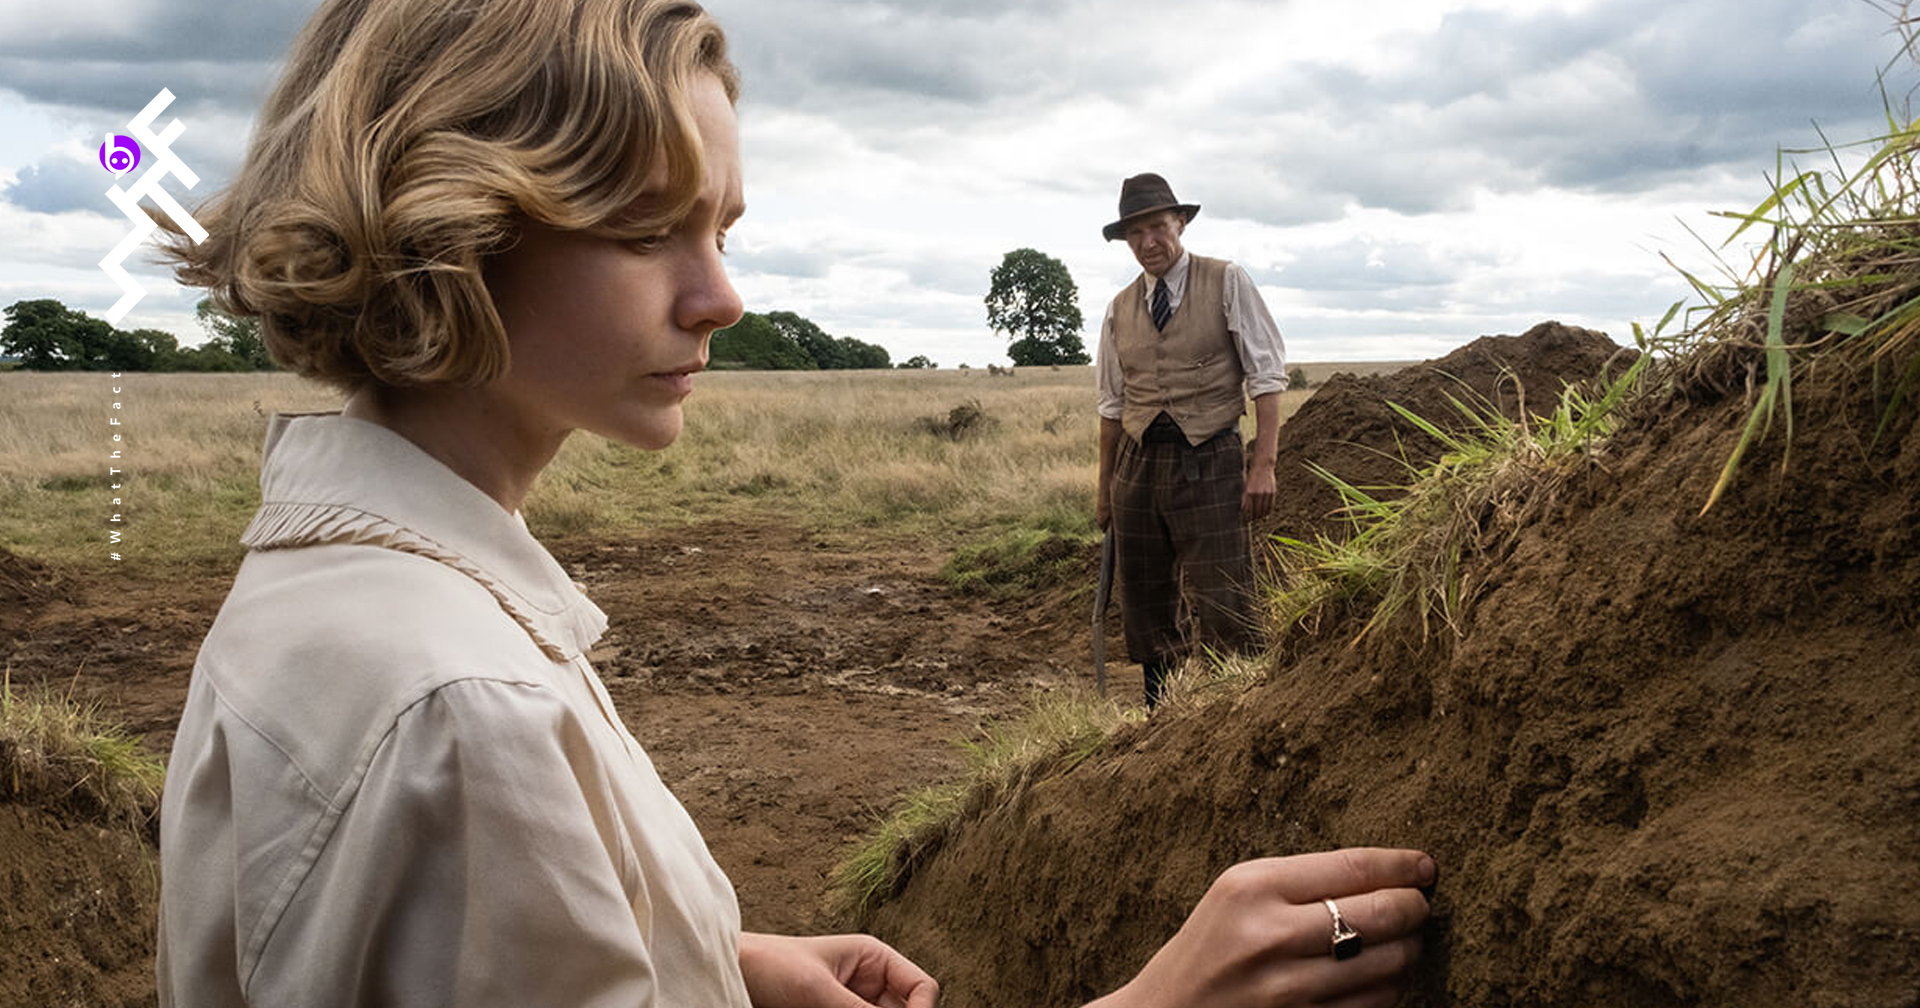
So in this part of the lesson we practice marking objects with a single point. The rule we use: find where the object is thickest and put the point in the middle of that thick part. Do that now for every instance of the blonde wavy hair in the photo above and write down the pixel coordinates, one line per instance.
(401, 142)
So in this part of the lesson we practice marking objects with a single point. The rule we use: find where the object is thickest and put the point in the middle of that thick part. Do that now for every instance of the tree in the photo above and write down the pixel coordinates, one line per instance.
(47, 335)
(828, 352)
(1032, 298)
(160, 348)
(755, 342)
(918, 361)
(237, 336)
(825, 351)
(854, 353)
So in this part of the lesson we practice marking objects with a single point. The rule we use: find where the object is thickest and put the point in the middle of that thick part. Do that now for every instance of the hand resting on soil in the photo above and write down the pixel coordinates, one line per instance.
(1262, 936)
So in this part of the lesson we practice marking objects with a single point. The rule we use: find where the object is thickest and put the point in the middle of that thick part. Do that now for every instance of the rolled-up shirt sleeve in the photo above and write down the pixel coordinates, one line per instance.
(1109, 383)
(478, 863)
(1263, 356)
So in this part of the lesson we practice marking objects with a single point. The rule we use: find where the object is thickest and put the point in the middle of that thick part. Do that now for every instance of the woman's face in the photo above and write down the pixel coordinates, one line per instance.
(606, 334)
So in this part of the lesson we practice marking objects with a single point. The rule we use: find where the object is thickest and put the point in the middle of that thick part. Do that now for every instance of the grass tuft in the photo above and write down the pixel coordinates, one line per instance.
(1406, 549)
(56, 753)
(1057, 731)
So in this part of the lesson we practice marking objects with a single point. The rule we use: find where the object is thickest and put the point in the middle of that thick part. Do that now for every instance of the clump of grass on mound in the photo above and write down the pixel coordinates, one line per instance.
(1057, 732)
(60, 754)
(1837, 286)
(1406, 548)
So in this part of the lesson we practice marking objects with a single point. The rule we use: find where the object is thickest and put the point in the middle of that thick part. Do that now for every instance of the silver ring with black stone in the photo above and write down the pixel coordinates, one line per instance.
(1346, 941)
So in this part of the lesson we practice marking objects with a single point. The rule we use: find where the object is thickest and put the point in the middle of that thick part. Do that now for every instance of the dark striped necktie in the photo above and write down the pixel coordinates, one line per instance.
(1162, 304)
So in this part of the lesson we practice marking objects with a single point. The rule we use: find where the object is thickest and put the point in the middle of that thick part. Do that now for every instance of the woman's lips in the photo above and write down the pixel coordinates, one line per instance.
(680, 383)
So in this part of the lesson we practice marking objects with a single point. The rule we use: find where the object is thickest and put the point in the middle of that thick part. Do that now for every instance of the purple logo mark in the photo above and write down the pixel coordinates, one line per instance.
(119, 154)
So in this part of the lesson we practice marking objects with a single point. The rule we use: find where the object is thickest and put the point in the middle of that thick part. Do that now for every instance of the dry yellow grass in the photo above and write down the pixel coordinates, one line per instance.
(837, 449)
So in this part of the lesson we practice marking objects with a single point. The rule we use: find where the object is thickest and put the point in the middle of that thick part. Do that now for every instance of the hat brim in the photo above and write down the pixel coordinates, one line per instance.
(1118, 229)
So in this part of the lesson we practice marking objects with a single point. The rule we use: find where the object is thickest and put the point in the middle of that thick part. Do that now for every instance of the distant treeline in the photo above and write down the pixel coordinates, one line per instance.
(46, 335)
(783, 341)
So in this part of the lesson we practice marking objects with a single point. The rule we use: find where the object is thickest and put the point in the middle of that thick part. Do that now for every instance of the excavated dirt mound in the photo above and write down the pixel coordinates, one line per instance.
(1348, 429)
(1672, 760)
(77, 904)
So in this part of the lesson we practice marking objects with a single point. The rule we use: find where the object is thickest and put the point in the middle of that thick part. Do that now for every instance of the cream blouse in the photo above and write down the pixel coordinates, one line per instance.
(397, 781)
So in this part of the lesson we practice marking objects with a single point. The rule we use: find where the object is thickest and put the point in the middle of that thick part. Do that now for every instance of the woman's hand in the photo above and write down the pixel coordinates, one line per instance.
(837, 971)
(1263, 938)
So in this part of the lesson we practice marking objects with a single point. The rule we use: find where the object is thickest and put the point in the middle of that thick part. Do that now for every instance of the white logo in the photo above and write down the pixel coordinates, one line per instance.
(164, 163)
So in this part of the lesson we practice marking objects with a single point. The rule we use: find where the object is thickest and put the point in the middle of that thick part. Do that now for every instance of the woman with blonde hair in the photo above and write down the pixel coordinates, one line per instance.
(397, 780)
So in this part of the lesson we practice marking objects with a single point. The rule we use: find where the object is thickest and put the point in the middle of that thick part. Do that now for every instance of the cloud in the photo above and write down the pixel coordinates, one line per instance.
(1371, 266)
(1437, 169)
(59, 184)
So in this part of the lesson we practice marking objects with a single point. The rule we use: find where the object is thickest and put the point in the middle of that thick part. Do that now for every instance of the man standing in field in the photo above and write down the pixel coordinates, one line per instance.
(1182, 348)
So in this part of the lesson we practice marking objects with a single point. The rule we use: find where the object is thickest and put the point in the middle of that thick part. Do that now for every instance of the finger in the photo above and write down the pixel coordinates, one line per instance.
(926, 995)
(1322, 978)
(1385, 915)
(1310, 878)
(1384, 996)
(892, 980)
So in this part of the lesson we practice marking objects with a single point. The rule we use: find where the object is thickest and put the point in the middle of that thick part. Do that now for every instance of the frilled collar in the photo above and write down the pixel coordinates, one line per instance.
(327, 478)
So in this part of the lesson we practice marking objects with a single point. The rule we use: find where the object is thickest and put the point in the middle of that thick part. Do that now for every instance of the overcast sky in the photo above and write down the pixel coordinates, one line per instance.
(1399, 177)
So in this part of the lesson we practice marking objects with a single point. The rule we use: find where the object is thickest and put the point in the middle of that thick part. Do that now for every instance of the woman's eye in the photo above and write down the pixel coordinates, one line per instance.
(648, 243)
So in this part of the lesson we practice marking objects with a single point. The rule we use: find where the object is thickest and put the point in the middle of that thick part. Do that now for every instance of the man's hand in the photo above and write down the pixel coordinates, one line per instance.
(1258, 498)
(837, 971)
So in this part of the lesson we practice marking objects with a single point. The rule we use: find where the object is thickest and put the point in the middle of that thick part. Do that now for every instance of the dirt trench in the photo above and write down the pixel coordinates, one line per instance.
(1669, 760)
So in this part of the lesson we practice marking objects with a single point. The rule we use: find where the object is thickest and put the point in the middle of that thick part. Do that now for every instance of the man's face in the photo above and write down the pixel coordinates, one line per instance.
(1155, 240)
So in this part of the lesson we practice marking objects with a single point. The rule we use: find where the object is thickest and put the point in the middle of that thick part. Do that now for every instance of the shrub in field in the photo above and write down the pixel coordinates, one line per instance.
(963, 421)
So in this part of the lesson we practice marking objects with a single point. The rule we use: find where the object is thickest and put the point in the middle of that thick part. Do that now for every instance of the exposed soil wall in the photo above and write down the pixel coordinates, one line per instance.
(77, 904)
(1672, 760)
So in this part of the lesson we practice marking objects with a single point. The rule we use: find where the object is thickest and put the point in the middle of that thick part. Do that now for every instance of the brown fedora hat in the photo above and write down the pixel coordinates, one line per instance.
(1144, 194)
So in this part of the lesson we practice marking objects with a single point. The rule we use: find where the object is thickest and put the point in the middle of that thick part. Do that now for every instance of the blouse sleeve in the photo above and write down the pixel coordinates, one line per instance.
(479, 862)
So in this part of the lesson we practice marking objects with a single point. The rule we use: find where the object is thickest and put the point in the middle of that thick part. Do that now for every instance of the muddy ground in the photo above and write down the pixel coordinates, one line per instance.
(790, 686)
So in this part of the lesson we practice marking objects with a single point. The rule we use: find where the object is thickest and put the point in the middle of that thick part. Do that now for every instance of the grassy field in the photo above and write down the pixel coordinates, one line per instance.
(948, 452)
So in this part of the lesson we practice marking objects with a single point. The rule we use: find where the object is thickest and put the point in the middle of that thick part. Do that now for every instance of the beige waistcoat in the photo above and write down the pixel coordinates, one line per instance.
(1191, 369)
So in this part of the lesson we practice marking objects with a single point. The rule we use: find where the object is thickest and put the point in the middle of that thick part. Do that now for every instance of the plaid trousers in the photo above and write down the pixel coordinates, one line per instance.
(1176, 522)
